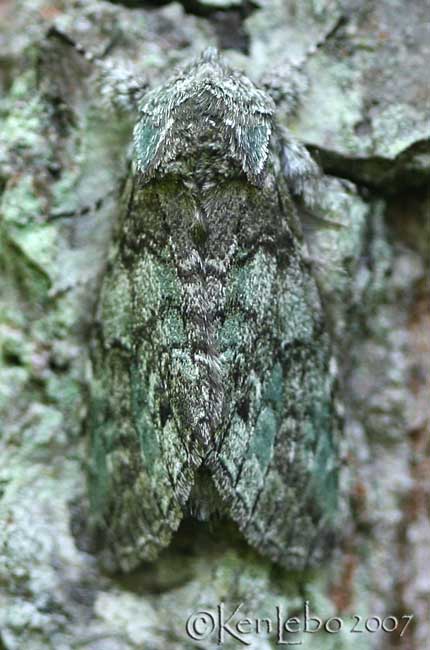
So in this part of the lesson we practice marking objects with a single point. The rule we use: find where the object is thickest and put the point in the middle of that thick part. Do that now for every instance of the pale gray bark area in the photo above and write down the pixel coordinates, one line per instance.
(352, 82)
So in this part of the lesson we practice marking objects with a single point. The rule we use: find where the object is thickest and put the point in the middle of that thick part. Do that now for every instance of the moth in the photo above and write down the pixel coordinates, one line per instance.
(212, 392)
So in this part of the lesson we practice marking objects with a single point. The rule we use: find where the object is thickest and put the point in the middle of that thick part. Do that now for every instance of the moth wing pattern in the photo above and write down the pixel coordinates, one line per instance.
(211, 357)
(138, 458)
(277, 464)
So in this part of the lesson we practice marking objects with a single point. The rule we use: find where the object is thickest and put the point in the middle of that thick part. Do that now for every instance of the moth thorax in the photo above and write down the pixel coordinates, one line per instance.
(205, 138)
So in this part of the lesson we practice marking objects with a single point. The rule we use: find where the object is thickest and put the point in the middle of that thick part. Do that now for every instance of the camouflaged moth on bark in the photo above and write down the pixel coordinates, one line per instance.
(212, 390)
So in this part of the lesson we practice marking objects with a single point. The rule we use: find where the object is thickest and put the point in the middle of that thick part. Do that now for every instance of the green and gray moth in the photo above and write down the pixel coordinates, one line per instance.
(212, 389)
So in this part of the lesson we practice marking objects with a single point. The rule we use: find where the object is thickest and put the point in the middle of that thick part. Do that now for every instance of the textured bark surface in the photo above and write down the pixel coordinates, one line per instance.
(351, 81)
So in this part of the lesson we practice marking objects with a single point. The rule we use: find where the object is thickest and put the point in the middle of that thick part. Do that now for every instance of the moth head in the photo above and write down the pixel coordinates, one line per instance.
(205, 97)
